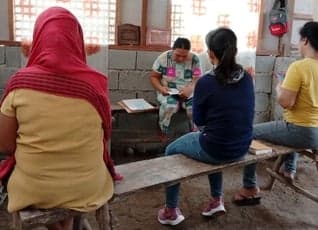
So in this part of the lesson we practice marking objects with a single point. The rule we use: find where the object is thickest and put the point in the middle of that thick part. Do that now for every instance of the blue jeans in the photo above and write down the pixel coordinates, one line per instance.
(284, 133)
(189, 146)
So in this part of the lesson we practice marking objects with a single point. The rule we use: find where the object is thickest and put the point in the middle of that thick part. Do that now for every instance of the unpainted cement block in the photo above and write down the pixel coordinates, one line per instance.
(263, 82)
(99, 60)
(262, 102)
(282, 64)
(150, 96)
(145, 59)
(264, 64)
(122, 59)
(2, 54)
(13, 56)
(5, 74)
(260, 117)
(277, 111)
(117, 95)
(113, 79)
(134, 80)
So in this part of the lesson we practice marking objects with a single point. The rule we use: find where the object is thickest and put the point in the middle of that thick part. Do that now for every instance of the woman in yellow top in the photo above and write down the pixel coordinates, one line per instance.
(55, 119)
(298, 95)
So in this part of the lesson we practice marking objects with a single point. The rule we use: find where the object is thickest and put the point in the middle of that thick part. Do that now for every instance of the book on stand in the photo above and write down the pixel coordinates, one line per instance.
(136, 105)
(257, 148)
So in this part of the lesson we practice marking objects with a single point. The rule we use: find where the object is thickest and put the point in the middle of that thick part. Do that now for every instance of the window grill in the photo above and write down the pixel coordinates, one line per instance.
(97, 18)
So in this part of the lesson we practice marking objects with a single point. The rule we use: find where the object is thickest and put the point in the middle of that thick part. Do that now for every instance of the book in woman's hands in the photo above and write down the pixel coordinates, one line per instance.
(176, 92)
(173, 91)
(257, 148)
(136, 105)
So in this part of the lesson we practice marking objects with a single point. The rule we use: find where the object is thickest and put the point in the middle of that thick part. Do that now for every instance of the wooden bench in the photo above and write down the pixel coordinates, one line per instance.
(169, 170)
(116, 109)
(164, 171)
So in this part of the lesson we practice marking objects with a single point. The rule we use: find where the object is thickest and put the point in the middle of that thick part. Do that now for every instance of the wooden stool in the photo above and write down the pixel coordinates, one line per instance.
(30, 218)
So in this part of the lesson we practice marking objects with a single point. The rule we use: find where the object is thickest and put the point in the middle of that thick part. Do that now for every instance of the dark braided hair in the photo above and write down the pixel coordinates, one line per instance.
(222, 42)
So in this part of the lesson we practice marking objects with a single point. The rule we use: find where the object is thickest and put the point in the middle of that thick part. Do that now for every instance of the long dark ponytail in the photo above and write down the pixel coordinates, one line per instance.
(222, 42)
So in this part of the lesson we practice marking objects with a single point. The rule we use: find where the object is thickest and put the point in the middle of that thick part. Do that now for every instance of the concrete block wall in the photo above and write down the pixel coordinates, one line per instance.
(280, 67)
(130, 79)
(263, 87)
(129, 75)
(10, 62)
(99, 60)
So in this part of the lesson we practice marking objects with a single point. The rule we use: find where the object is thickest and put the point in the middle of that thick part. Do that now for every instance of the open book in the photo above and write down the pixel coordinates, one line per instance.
(174, 91)
(136, 105)
(257, 148)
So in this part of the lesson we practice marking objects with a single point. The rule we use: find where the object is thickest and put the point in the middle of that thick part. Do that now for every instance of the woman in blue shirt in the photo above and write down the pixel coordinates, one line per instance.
(223, 104)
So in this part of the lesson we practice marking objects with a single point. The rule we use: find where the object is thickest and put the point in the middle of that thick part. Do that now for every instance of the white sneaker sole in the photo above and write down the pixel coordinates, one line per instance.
(172, 222)
(216, 211)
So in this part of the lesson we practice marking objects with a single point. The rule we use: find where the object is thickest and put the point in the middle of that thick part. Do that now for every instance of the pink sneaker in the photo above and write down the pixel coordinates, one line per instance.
(170, 216)
(215, 207)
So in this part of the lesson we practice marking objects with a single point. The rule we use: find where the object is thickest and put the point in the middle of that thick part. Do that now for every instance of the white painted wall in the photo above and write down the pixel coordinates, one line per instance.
(305, 6)
(4, 26)
(131, 12)
(316, 12)
(157, 11)
(310, 8)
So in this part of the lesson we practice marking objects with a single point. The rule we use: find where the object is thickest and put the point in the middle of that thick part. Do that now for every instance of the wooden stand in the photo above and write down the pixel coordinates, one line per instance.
(274, 173)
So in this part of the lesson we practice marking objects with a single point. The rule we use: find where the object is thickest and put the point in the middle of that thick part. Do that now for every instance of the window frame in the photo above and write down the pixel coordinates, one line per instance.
(283, 48)
(143, 30)
(11, 22)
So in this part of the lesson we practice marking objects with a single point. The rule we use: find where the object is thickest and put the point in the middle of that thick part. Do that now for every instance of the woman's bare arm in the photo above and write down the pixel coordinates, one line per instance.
(286, 98)
(8, 134)
(155, 82)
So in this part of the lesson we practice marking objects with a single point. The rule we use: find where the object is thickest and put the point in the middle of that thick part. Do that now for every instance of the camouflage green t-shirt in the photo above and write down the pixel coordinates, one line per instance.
(177, 75)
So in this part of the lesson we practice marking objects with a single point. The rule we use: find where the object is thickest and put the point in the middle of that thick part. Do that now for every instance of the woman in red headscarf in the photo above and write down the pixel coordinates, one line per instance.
(55, 120)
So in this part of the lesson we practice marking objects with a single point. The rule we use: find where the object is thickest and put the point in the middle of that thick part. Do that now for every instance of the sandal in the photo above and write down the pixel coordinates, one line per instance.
(246, 197)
